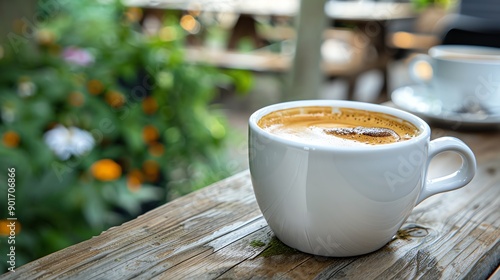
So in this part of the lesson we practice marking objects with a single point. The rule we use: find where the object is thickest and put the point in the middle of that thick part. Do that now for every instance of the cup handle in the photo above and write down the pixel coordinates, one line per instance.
(457, 179)
(421, 68)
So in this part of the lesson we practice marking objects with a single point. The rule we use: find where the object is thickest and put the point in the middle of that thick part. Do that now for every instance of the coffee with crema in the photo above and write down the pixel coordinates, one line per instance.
(337, 126)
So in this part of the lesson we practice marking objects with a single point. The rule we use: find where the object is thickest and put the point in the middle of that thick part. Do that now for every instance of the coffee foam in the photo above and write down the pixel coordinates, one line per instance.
(343, 127)
(311, 135)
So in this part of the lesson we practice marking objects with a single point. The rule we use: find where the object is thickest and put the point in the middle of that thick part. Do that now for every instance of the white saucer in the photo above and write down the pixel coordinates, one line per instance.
(418, 100)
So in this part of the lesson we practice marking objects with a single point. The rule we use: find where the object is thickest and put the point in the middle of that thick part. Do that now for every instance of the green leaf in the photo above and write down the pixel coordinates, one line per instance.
(133, 137)
(243, 80)
(94, 207)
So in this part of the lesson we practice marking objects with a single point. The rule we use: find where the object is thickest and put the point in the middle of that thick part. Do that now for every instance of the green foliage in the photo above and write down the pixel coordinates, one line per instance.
(89, 66)
(420, 5)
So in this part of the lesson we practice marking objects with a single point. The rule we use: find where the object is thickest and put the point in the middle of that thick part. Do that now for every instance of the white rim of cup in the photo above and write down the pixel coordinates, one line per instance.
(424, 128)
(480, 57)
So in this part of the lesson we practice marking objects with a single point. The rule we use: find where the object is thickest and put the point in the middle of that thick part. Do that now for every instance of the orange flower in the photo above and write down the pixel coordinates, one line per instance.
(95, 87)
(11, 139)
(133, 14)
(45, 37)
(149, 105)
(115, 99)
(106, 170)
(156, 149)
(151, 170)
(134, 180)
(150, 134)
(190, 24)
(6, 226)
(76, 99)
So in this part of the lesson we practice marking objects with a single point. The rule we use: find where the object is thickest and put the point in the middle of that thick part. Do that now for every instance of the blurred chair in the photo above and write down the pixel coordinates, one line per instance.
(476, 23)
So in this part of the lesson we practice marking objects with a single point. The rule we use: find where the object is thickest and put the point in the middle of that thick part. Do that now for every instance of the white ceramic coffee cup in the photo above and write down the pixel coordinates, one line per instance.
(464, 78)
(345, 201)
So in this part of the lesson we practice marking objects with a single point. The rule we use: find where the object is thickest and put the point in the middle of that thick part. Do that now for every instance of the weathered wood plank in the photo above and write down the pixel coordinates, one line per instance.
(159, 222)
(415, 253)
(224, 253)
(185, 242)
(218, 232)
(425, 256)
(495, 275)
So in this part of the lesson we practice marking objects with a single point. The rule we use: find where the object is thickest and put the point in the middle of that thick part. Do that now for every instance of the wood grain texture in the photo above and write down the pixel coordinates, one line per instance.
(495, 275)
(219, 232)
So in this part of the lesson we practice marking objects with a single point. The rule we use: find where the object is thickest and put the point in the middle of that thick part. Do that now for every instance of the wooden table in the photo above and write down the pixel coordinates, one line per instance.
(219, 232)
